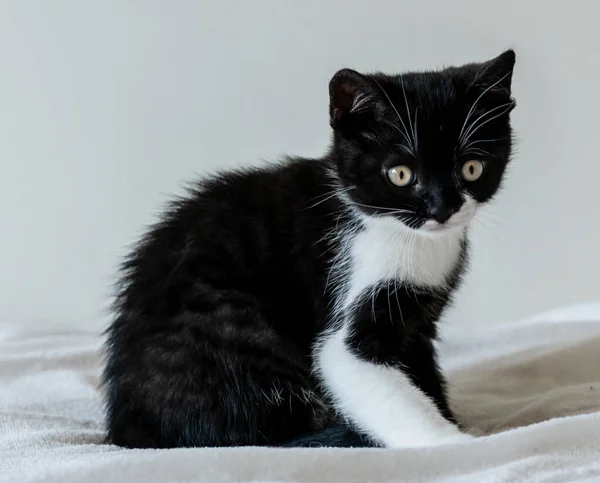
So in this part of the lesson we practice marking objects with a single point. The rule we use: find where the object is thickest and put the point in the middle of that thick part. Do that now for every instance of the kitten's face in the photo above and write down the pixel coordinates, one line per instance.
(426, 148)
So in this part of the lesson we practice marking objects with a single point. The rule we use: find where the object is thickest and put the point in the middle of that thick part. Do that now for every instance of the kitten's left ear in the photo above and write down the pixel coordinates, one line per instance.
(350, 98)
(496, 74)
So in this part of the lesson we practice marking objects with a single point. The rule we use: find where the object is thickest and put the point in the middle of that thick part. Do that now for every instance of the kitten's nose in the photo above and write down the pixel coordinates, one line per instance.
(442, 213)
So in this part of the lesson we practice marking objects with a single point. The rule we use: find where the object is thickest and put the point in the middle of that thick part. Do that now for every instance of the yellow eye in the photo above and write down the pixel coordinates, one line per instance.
(400, 175)
(472, 170)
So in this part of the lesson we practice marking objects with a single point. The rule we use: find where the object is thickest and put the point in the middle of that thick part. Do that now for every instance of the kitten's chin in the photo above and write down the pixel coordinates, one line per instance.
(457, 223)
(433, 228)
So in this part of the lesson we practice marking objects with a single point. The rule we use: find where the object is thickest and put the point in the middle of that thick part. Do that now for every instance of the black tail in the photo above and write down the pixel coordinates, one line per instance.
(337, 436)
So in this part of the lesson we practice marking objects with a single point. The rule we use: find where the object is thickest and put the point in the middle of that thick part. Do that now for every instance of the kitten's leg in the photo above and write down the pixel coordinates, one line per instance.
(360, 365)
(419, 362)
(381, 400)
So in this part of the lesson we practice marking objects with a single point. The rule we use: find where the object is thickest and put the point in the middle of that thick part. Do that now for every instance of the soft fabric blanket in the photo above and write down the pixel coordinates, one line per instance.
(531, 388)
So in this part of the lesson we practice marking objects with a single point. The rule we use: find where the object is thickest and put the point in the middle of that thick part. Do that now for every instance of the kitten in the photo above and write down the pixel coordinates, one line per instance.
(296, 304)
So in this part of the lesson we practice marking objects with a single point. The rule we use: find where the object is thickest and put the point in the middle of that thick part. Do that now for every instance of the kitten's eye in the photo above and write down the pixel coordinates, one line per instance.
(400, 175)
(472, 170)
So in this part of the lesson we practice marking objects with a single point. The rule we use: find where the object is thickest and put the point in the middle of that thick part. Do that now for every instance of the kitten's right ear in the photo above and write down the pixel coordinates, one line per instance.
(496, 74)
(350, 97)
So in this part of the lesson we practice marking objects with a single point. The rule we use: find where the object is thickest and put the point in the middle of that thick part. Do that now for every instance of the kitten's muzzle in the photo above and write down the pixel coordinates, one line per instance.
(442, 213)
(452, 217)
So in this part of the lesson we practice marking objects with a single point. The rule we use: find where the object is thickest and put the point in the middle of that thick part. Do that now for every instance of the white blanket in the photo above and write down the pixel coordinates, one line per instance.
(530, 387)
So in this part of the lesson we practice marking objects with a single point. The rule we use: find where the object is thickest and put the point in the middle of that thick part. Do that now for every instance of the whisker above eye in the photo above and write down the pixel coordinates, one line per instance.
(415, 130)
(460, 136)
(401, 132)
(477, 151)
(477, 141)
(474, 127)
(404, 148)
(410, 123)
(487, 140)
(405, 133)
(395, 210)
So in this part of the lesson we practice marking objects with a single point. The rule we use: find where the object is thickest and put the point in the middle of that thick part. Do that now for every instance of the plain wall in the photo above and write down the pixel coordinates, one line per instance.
(107, 107)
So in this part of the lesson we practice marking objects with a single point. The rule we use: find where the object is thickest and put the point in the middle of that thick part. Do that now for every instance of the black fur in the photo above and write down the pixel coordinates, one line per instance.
(221, 302)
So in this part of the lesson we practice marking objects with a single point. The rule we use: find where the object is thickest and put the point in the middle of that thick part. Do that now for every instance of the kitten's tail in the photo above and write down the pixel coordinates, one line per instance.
(337, 436)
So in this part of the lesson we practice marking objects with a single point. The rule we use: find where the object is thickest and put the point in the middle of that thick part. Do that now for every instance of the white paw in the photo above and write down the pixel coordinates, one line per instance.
(456, 439)
(431, 440)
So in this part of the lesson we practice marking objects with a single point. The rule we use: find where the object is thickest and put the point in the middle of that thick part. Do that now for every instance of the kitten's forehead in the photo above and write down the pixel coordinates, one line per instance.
(453, 88)
(435, 110)
(433, 93)
(427, 110)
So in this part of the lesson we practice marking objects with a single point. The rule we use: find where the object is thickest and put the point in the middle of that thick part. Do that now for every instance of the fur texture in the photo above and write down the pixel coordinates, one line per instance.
(296, 304)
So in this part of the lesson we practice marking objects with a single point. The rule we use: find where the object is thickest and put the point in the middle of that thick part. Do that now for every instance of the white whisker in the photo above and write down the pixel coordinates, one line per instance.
(477, 151)
(460, 135)
(408, 113)
(416, 130)
(398, 301)
(328, 196)
(486, 141)
(404, 148)
(389, 304)
(403, 134)
(373, 295)
(477, 141)
(397, 113)
(474, 127)
(374, 207)
(359, 102)
(488, 231)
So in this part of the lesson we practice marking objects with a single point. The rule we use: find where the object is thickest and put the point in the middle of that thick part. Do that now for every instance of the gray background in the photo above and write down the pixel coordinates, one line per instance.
(106, 107)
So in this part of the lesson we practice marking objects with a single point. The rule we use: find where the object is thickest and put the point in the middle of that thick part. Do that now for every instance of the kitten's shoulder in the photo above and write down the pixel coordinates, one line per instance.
(286, 170)
(243, 187)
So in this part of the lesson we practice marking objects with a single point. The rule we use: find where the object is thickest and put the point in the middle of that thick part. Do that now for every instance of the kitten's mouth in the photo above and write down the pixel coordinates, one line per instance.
(458, 221)
(435, 227)
(432, 226)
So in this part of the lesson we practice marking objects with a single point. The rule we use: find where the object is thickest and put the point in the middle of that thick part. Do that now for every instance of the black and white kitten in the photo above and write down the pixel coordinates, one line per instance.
(297, 304)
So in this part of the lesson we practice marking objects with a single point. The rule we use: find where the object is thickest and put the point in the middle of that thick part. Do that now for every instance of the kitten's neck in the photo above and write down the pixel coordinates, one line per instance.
(384, 249)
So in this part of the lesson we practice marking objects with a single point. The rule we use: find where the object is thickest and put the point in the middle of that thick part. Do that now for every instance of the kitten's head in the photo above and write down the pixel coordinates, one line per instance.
(426, 148)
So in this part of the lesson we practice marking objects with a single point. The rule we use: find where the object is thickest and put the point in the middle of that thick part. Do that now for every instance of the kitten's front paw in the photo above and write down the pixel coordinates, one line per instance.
(461, 437)
(474, 432)
(429, 440)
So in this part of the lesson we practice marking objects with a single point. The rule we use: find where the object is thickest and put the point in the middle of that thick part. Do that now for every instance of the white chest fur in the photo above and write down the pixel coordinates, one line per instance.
(387, 250)
(381, 401)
